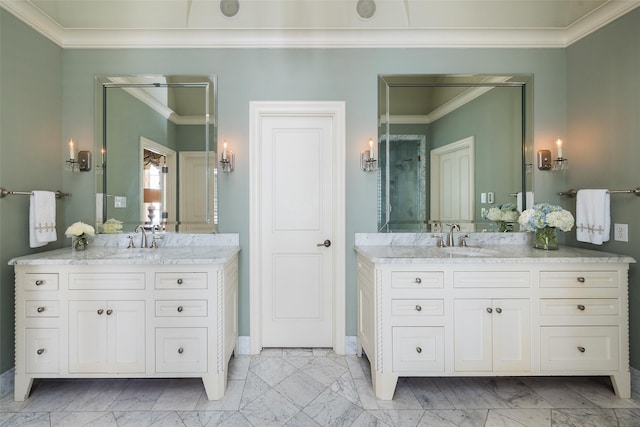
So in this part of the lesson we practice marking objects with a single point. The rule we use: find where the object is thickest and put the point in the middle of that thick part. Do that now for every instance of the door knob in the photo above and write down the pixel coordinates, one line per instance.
(326, 243)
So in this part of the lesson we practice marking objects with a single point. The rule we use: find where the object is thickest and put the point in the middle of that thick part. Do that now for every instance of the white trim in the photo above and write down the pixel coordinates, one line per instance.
(317, 38)
(335, 109)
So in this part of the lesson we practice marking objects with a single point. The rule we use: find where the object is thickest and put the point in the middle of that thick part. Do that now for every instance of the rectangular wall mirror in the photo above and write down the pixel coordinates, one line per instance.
(450, 147)
(156, 164)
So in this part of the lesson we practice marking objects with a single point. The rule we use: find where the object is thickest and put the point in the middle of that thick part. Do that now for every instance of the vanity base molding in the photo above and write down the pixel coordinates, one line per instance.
(126, 321)
(493, 319)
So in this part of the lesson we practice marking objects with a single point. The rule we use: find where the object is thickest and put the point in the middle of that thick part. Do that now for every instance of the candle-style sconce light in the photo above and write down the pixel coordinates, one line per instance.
(227, 159)
(368, 161)
(560, 163)
(79, 163)
(545, 161)
(101, 164)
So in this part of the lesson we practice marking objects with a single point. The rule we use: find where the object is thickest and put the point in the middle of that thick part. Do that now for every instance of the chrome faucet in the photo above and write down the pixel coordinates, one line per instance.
(454, 227)
(143, 241)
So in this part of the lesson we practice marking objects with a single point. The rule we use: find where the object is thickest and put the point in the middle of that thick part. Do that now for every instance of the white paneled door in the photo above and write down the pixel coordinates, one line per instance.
(296, 234)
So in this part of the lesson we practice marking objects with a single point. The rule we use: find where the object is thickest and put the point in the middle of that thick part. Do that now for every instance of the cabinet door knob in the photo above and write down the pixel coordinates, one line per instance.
(418, 307)
(180, 350)
(40, 351)
(489, 310)
(109, 312)
(581, 279)
(39, 282)
(418, 350)
(179, 281)
(40, 309)
(179, 309)
(418, 280)
(100, 311)
(581, 349)
(498, 310)
(581, 307)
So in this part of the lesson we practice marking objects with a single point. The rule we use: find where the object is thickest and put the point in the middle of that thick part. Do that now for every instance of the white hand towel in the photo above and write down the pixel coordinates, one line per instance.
(593, 216)
(529, 200)
(42, 218)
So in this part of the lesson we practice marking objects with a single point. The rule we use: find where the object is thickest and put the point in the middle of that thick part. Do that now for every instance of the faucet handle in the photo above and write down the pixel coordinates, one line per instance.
(463, 240)
(154, 242)
(440, 242)
(131, 244)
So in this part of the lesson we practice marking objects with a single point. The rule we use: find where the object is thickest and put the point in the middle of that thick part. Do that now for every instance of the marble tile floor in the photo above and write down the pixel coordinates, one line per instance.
(315, 387)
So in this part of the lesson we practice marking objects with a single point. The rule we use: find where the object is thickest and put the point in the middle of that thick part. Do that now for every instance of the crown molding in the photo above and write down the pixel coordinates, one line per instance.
(318, 38)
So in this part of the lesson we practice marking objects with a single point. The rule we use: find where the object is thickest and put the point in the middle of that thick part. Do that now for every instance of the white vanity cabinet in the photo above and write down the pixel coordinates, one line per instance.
(128, 320)
(493, 317)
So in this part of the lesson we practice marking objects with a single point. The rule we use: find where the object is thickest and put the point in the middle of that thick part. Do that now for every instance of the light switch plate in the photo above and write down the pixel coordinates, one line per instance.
(621, 232)
(119, 202)
(490, 197)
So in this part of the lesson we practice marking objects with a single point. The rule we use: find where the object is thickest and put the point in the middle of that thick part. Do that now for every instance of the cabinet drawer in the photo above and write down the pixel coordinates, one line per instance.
(417, 279)
(491, 279)
(417, 307)
(181, 308)
(418, 349)
(41, 308)
(106, 281)
(181, 280)
(579, 307)
(181, 350)
(41, 351)
(41, 282)
(579, 279)
(579, 348)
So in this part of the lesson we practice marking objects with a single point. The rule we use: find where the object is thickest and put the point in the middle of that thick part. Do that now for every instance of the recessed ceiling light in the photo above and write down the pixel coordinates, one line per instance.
(229, 8)
(366, 8)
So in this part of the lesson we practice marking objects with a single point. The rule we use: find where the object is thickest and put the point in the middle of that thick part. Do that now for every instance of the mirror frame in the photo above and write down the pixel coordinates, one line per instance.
(522, 81)
(105, 82)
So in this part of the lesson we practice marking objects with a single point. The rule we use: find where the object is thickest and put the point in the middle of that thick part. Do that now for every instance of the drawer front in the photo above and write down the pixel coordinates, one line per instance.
(106, 281)
(579, 279)
(41, 282)
(418, 349)
(579, 348)
(181, 350)
(417, 307)
(491, 279)
(417, 279)
(181, 280)
(42, 308)
(181, 308)
(579, 307)
(42, 351)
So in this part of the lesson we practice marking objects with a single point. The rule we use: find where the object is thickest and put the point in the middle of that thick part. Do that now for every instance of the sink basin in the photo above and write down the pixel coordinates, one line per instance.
(467, 251)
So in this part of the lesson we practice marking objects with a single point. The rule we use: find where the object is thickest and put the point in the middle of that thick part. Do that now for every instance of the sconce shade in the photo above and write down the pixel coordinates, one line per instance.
(152, 195)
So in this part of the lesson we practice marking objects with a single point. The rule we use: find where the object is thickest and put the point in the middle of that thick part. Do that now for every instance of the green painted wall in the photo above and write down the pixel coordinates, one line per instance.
(603, 135)
(31, 155)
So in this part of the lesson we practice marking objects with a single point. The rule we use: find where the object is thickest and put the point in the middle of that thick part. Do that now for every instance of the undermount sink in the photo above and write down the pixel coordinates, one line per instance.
(468, 251)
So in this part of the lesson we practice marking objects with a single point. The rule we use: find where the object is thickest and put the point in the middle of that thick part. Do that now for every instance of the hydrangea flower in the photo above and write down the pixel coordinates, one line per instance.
(543, 215)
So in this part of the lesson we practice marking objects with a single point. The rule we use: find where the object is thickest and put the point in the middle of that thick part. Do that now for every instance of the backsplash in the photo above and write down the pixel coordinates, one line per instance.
(167, 239)
(430, 239)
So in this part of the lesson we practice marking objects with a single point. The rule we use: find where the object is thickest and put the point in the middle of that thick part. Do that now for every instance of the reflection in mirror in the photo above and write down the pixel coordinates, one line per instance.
(450, 148)
(158, 150)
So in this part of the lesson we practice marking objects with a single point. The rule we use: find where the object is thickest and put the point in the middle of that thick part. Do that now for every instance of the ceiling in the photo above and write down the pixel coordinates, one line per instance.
(316, 23)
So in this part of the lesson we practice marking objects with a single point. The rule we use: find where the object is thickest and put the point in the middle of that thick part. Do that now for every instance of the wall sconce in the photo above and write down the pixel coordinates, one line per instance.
(81, 164)
(546, 163)
(100, 166)
(368, 161)
(227, 159)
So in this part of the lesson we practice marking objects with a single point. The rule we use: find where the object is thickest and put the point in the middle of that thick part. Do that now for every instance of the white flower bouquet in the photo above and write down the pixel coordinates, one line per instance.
(545, 219)
(79, 233)
(111, 226)
(504, 215)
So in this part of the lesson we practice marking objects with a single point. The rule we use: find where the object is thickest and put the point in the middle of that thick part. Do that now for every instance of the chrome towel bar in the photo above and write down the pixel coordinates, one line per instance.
(4, 192)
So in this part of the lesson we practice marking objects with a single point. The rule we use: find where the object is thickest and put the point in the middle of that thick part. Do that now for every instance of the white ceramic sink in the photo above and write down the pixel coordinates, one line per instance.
(469, 251)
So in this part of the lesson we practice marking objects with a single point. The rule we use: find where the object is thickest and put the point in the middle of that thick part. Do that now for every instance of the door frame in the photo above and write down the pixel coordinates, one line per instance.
(335, 110)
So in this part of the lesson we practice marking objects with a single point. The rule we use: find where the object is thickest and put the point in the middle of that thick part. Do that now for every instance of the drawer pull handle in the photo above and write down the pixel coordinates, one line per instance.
(40, 309)
(418, 307)
(40, 351)
(581, 279)
(581, 307)
(180, 309)
(180, 350)
(418, 350)
(581, 349)
(489, 310)
(498, 310)
(39, 282)
(418, 280)
(109, 312)
(100, 311)
(179, 281)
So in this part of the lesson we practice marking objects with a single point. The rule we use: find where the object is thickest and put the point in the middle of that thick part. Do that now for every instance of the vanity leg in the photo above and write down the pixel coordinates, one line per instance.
(22, 387)
(622, 384)
(384, 385)
(215, 385)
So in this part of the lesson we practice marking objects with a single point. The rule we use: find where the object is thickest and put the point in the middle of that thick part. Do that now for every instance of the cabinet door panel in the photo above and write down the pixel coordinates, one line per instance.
(126, 336)
(87, 336)
(472, 331)
(511, 335)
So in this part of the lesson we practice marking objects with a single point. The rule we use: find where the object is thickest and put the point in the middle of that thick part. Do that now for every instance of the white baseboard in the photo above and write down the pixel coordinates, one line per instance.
(244, 345)
(6, 382)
